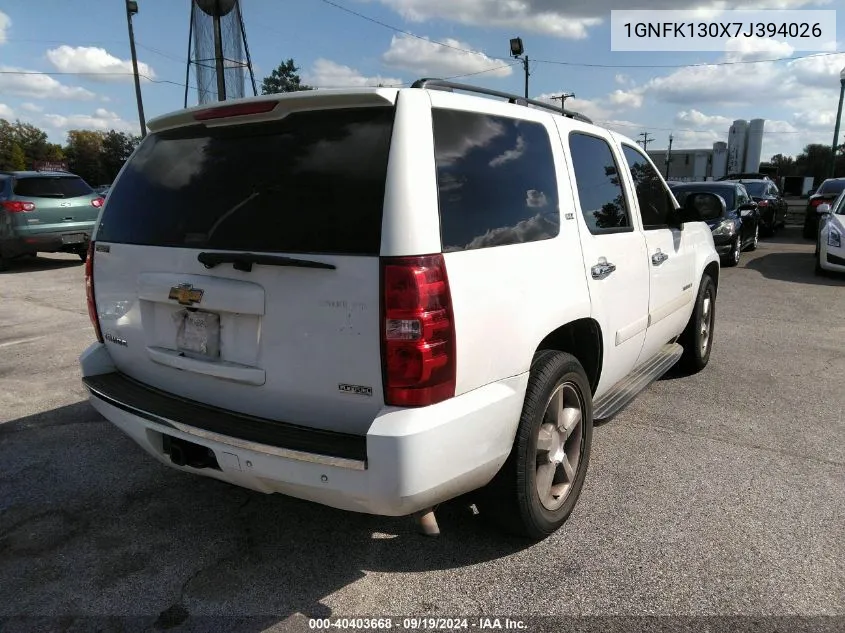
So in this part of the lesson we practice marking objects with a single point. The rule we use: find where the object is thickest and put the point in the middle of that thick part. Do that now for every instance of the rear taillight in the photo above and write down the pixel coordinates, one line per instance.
(17, 206)
(816, 202)
(418, 331)
(763, 203)
(89, 292)
(97, 202)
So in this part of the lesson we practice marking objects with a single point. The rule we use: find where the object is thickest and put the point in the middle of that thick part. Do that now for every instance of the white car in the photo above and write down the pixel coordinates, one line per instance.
(381, 299)
(830, 249)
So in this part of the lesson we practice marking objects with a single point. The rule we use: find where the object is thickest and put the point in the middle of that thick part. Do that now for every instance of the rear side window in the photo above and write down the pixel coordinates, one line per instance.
(600, 190)
(496, 180)
(51, 187)
(653, 198)
(312, 182)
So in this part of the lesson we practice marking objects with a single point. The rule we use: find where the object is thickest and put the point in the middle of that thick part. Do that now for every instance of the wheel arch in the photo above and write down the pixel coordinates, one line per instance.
(583, 339)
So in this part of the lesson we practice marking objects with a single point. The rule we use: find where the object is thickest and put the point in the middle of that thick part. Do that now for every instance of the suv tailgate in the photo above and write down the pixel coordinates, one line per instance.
(237, 265)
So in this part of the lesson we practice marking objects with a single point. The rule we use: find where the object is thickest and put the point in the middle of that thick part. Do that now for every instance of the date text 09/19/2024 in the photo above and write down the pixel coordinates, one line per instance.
(417, 624)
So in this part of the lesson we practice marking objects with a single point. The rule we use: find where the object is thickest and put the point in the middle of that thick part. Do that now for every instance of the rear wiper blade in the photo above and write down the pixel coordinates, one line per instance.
(244, 261)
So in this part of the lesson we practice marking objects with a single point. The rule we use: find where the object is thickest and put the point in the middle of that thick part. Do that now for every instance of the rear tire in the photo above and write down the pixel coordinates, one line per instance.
(697, 339)
(756, 240)
(83, 255)
(4, 263)
(551, 451)
(820, 272)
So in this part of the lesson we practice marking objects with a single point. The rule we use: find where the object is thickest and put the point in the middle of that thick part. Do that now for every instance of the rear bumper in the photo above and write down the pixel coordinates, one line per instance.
(409, 459)
(22, 242)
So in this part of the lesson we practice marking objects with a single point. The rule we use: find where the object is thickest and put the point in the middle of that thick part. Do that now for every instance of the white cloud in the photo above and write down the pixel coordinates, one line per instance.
(511, 154)
(96, 63)
(536, 199)
(102, 120)
(752, 50)
(328, 74)
(6, 112)
(31, 107)
(427, 58)
(591, 108)
(626, 98)
(5, 23)
(538, 227)
(699, 119)
(38, 86)
(622, 79)
(571, 19)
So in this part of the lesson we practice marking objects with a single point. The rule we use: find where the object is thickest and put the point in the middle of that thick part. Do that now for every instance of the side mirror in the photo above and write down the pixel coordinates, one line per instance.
(748, 206)
(698, 206)
(823, 209)
(745, 212)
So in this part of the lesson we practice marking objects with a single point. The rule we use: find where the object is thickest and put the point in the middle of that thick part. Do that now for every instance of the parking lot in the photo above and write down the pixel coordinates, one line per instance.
(719, 494)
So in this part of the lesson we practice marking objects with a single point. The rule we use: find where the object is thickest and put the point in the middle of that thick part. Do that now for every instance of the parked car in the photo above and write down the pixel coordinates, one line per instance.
(735, 220)
(103, 190)
(45, 212)
(773, 206)
(827, 192)
(830, 250)
(381, 299)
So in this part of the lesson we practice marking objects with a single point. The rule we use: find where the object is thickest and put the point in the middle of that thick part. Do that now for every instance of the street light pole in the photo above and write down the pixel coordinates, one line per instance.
(838, 119)
(517, 52)
(132, 9)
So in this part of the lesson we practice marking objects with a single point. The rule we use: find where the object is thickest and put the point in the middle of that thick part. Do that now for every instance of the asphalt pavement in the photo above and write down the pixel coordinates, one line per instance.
(714, 495)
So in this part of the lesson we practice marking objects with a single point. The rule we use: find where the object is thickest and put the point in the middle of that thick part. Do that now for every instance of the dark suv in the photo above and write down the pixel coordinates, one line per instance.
(45, 212)
(773, 206)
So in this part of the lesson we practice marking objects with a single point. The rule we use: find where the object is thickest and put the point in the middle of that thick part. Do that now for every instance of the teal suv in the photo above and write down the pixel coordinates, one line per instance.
(46, 212)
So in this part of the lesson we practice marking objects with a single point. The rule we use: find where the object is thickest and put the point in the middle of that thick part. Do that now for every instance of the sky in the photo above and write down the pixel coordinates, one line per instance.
(66, 65)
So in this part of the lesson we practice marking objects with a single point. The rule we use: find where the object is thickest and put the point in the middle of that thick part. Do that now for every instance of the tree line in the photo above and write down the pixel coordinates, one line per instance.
(94, 156)
(813, 161)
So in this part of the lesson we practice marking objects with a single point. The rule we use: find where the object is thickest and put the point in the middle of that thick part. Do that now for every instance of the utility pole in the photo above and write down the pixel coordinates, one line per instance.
(527, 73)
(646, 140)
(562, 98)
(669, 157)
(132, 9)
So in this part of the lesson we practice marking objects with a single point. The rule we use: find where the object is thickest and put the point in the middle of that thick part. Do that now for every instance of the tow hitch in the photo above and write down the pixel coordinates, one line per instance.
(184, 453)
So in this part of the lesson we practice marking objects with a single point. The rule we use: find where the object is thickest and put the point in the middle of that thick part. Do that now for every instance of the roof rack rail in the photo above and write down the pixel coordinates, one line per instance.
(449, 86)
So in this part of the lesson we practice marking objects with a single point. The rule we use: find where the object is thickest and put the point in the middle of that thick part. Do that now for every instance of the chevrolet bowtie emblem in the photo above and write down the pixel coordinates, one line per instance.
(185, 294)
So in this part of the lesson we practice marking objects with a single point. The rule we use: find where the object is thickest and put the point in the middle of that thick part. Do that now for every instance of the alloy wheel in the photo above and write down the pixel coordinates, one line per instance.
(706, 323)
(559, 446)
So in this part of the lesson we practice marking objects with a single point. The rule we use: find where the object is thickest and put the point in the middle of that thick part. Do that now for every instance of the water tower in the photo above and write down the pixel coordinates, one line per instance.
(218, 51)
(736, 146)
(754, 149)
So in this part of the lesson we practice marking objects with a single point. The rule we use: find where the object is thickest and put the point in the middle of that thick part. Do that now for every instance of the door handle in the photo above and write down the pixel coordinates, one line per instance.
(659, 257)
(602, 269)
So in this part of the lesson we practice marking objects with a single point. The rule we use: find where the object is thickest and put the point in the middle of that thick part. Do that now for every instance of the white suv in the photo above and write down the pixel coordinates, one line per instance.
(382, 299)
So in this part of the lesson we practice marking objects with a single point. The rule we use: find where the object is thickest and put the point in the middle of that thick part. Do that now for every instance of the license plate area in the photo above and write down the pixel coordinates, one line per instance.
(198, 333)
(73, 238)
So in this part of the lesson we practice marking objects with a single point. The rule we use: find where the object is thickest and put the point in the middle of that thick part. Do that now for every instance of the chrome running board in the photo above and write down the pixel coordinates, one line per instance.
(638, 380)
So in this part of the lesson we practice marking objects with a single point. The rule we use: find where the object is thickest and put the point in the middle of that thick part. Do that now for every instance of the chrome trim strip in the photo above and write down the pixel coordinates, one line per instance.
(274, 451)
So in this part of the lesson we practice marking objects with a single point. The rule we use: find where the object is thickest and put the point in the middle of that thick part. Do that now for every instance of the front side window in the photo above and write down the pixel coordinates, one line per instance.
(654, 201)
(496, 180)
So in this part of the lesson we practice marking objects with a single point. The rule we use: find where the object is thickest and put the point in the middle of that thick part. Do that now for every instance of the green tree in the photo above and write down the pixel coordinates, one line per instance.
(116, 148)
(17, 159)
(33, 142)
(83, 152)
(285, 78)
(784, 164)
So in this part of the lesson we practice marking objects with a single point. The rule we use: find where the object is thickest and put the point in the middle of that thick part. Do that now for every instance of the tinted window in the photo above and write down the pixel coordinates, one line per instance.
(496, 180)
(312, 182)
(742, 196)
(832, 186)
(654, 201)
(599, 190)
(758, 189)
(51, 187)
(710, 212)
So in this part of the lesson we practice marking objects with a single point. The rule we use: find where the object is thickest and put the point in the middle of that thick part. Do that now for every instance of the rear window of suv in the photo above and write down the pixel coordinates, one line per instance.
(312, 182)
(51, 187)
